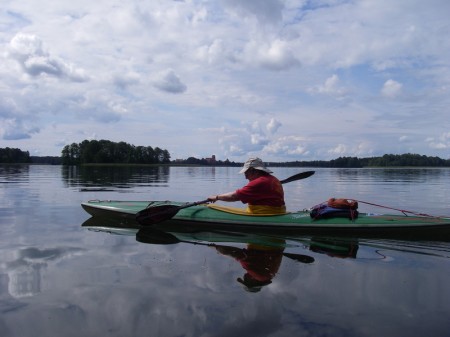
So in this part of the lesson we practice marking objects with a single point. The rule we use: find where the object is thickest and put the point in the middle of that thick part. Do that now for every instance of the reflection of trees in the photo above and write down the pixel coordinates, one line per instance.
(14, 172)
(114, 176)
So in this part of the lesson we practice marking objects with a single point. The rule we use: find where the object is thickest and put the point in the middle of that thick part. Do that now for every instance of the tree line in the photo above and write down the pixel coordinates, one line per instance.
(206, 162)
(105, 152)
(9, 156)
(387, 160)
(108, 152)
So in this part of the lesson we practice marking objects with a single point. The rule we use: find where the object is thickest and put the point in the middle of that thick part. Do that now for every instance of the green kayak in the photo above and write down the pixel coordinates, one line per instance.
(215, 216)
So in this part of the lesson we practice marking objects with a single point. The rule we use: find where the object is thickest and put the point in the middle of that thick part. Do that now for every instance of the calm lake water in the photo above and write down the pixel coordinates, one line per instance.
(58, 278)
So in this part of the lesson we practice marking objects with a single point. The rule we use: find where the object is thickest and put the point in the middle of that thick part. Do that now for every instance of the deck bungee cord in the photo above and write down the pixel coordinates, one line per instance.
(405, 212)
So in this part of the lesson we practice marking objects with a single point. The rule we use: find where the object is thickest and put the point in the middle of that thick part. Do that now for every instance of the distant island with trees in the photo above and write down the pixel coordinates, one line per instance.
(107, 152)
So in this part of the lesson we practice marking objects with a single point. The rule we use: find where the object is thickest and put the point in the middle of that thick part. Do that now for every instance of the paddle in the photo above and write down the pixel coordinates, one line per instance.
(155, 214)
(298, 176)
(158, 237)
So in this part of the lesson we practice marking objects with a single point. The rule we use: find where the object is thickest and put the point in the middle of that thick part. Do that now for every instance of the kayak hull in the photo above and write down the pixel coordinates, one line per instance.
(205, 215)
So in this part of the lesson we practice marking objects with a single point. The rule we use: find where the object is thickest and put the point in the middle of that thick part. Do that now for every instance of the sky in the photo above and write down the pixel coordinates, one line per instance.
(281, 80)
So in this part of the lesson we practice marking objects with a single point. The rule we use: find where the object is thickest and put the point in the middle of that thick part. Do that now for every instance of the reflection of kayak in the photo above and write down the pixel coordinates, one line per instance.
(335, 247)
(156, 234)
(215, 238)
(232, 218)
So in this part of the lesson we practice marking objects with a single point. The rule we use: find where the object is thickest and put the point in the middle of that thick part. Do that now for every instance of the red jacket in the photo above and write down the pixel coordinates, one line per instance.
(265, 190)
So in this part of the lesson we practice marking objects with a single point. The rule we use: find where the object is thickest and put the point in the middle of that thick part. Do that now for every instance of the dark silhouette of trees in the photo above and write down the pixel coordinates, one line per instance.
(206, 162)
(407, 159)
(387, 160)
(9, 155)
(107, 152)
(46, 160)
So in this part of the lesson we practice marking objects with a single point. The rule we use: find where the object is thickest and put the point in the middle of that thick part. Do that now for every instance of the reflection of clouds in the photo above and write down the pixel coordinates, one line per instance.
(117, 287)
(25, 282)
(24, 270)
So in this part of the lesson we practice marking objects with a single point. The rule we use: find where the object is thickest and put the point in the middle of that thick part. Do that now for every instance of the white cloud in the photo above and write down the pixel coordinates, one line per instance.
(258, 139)
(292, 147)
(35, 61)
(213, 52)
(168, 81)
(441, 143)
(330, 87)
(250, 139)
(351, 149)
(123, 81)
(273, 125)
(391, 88)
(339, 150)
(14, 129)
(274, 55)
(102, 67)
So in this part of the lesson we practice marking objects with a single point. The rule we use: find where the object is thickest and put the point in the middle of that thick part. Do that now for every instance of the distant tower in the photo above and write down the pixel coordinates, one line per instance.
(211, 160)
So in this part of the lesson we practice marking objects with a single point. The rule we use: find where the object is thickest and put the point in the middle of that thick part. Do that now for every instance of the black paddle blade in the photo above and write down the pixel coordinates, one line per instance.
(157, 214)
(300, 258)
(298, 176)
(155, 237)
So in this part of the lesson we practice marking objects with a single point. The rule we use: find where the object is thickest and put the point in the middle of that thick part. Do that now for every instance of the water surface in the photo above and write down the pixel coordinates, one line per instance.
(59, 278)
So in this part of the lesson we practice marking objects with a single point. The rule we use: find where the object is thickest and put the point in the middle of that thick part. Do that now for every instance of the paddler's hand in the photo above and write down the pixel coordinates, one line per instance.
(228, 197)
(213, 198)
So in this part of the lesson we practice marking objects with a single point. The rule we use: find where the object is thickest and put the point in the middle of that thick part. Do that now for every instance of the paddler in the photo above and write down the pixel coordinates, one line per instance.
(263, 194)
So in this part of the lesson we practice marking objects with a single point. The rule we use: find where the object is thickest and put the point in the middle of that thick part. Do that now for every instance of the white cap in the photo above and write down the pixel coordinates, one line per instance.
(255, 163)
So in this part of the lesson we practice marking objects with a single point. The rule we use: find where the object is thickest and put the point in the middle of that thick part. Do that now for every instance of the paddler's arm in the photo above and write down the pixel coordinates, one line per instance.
(230, 196)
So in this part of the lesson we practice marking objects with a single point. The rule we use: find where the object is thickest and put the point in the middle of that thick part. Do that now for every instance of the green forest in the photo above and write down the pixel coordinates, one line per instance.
(8, 155)
(387, 160)
(108, 152)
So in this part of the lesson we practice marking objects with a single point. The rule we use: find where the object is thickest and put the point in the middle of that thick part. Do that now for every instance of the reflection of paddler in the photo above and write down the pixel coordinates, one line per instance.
(260, 262)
